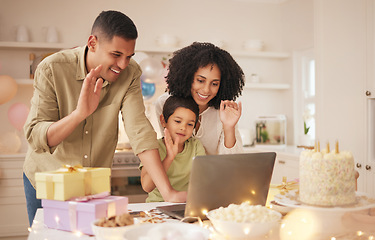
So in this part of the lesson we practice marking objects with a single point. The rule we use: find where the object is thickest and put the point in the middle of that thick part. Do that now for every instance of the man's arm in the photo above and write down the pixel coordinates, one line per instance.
(172, 150)
(155, 170)
(87, 103)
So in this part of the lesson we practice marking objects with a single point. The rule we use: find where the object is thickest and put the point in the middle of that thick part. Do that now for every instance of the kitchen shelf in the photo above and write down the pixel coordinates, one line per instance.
(269, 86)
(260, 54)
(280, 55)
(54, 46)
(33, 45)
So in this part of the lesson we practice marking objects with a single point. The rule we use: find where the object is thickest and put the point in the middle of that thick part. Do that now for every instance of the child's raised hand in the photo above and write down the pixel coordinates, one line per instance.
(172, 147)
(230, 113)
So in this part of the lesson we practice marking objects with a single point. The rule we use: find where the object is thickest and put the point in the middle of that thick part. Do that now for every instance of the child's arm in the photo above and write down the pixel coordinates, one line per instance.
(172, 150)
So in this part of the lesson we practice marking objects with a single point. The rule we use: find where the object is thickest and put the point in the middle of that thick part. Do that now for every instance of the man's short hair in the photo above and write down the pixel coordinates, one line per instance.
(113, 23)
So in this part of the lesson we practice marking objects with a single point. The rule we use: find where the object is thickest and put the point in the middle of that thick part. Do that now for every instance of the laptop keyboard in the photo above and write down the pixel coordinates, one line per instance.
(179, 212)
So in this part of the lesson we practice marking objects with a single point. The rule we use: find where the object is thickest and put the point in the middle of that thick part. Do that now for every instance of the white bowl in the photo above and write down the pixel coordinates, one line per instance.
(253, 45)
(109, 233)
(242, 230)
(167, 230)
(167, 40)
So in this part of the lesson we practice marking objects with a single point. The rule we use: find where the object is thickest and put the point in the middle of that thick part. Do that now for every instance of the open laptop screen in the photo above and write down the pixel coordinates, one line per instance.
(219, 180)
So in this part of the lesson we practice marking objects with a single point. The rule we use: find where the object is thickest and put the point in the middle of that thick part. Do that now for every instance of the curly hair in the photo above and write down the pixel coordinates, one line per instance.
(186, 62)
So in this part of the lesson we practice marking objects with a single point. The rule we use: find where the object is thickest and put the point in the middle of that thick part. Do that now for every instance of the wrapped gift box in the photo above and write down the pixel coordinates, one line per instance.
(77, 216)
(282, 188)
(69, 182)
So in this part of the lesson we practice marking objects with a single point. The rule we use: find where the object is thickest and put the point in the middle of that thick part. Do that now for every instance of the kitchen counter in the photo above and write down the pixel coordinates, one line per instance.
(289, 151)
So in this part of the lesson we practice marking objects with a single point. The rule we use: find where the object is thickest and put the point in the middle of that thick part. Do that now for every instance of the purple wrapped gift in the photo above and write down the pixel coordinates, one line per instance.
(77, 216)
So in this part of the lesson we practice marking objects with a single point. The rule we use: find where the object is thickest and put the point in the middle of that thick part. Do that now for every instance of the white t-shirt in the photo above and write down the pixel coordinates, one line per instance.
(210, 132)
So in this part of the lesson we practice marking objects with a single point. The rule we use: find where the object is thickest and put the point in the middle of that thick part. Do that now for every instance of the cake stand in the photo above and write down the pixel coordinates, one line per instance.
(290, 199)
(332, 221)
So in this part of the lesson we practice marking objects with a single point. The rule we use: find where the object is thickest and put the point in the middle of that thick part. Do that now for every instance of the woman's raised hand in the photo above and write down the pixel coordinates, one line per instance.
(230, 113)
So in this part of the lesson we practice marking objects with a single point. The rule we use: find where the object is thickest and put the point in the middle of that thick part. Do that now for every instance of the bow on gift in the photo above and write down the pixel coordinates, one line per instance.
(71, 169)
(79, 168)
(287, 186)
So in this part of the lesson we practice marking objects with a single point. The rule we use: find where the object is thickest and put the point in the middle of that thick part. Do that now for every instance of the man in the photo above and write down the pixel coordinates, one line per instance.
(74, 110)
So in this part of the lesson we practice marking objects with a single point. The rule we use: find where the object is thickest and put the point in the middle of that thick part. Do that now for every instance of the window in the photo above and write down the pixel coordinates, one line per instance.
(304, 96)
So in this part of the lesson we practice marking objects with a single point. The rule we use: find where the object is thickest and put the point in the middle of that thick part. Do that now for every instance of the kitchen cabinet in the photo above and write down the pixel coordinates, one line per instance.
(366, 166)
(285, 167)
(286, 162)
(344, 115)
(14, 57)
(14, 219)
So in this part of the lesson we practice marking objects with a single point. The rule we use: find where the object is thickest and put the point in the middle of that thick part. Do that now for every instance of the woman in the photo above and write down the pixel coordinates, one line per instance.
(213, 78)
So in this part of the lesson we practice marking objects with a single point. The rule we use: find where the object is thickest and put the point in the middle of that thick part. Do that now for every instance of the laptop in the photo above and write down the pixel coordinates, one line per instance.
(219, 180)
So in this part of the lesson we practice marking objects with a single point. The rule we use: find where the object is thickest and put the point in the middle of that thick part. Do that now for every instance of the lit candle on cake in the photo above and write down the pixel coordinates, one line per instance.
(337, 147)
(328, 150)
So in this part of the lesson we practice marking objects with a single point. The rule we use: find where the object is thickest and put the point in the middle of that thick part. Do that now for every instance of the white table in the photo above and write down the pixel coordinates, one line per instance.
(39, 231)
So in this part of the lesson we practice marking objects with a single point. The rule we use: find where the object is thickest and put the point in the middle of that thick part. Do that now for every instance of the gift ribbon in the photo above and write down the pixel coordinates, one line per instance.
(287, 186)
(87, 175)
(89, 197)
(49, 187)
(72, 211)
(111, 209)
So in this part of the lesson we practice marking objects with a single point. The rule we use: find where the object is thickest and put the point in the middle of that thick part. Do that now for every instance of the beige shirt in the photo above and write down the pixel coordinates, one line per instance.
(57, 83)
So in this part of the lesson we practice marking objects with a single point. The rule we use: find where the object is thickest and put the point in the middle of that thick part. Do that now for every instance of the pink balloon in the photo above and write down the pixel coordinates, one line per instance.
(8, 88)
(17, 115)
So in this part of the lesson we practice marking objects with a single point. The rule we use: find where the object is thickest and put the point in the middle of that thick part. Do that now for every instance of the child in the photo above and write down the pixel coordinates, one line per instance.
(177, 148)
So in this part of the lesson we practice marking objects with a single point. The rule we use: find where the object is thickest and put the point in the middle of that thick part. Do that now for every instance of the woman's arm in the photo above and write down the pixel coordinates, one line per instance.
(230, 113)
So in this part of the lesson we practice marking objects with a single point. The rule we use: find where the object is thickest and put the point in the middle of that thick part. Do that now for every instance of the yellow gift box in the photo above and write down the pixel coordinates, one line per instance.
(282, 188)
(70, 182)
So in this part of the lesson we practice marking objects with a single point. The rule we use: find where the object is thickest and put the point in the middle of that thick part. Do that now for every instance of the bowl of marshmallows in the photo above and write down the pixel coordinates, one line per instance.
(243, 221)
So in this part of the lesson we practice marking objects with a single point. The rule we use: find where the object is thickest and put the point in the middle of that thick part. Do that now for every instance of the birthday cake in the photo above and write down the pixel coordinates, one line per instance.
(327, 178)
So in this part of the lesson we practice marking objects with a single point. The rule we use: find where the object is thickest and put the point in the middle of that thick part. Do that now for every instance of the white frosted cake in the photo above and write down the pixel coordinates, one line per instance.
(327, 179)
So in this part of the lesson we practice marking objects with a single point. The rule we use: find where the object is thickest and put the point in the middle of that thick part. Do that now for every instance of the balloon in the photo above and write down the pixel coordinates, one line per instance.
(139, 56)
(8, 88)
(10, 143)
(151, 68)
(148, 90)
(17, 115)
(146, 79)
